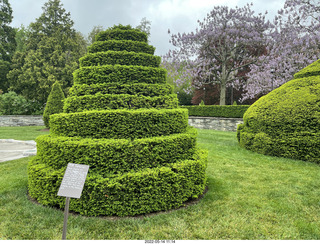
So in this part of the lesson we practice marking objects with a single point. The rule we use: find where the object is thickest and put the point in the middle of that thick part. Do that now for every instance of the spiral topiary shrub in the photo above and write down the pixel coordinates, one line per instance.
(286, 122)
(122, 119)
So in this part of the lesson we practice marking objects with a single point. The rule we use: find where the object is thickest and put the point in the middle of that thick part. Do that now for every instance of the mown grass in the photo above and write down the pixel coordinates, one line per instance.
(250, 196)
(23, 133)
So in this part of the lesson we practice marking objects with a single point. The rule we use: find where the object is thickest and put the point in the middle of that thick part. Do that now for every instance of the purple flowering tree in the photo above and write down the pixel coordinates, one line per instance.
(295, 44)
(227, 42)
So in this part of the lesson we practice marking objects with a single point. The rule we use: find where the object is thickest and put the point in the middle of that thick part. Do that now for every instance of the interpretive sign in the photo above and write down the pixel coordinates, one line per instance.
(72, 186)
(73, 180)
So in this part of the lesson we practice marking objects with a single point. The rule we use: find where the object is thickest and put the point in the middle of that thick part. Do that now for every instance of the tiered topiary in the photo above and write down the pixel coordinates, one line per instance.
(286, 122)
(122, 119)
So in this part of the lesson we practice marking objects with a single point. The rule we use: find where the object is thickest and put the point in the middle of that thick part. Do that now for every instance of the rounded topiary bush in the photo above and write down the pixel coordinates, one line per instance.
(54, 103)
(286, 122)
(123, 120)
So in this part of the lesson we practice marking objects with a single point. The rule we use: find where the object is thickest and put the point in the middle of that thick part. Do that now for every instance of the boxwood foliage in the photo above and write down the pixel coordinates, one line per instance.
(115, 101)
(286, 122)
(132, 193)
(227, 111)
(122, 119)
(140, 89)
(116, 155)
(119, 73)
(120, 123)
(122, 45)
(120, 57)
(121, 32)
(54, 103)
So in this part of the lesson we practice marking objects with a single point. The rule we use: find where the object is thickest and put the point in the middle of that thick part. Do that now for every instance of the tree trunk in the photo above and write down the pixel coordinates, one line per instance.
(223, 93)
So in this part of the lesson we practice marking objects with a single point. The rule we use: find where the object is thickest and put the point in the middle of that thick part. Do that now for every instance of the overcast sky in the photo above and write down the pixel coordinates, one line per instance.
(176, 15)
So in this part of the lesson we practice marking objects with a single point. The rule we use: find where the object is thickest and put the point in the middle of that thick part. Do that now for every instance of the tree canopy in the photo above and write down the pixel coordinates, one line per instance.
(7, 42)
(53, 48)
(227, 42)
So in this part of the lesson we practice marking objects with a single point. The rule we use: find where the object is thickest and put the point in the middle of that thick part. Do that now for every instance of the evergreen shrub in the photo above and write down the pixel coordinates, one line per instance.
(139, 192)
(140, 89)
(120, 57)
(118, 101)
(120, 123)
(286, 122)
(119, 73)
(54, 103)
(122, 45)
(124, 122)
(116, 155)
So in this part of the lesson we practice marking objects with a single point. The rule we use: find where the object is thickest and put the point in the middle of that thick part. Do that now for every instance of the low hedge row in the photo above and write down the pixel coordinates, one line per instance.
(123, 45)
(120, 101)
(120, 74)
(141, 192)
(227, 111)
(121, 58)
(119, 124)
(118, 34)
(115, 156)
(139, 89)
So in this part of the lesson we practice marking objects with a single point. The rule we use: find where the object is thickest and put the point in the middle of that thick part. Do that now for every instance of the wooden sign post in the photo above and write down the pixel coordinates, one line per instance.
(71, 187)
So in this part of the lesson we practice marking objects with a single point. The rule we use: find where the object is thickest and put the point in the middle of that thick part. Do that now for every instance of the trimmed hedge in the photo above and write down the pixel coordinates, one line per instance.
(124, 122)
(120, 123)
(140, 89)
(118, 34)
(286, 122)
(121, 101)
(227, 111)
(114, 156)
(54, 103)
(311, 70)
(119, 57)
(123, 45)
(119, 73)
(124, 195)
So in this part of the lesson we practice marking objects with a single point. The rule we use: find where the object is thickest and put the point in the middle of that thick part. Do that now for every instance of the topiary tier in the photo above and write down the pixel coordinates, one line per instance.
(286, 122)
(123, 120)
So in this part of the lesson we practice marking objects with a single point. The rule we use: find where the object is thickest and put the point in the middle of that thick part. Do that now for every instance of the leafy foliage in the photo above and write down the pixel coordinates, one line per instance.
(221, 49)
(14, 104)
(54, 104)
(122, 119)
(228, 111)
(7, 42)
(52, 52)
(285, 122)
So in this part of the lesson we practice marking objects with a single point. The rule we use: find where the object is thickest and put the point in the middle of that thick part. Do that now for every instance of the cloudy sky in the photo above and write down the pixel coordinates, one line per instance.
(176, 15)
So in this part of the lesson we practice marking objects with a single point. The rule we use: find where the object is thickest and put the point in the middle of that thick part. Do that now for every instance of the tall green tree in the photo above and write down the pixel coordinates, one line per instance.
(52, 52)
(7, 42)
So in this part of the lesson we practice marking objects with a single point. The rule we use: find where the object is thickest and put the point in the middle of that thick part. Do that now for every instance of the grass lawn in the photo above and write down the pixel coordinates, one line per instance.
(250, 196)
(23, 133)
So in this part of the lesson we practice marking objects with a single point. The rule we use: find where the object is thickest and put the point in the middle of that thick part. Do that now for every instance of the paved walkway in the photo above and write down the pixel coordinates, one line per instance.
(12, 149)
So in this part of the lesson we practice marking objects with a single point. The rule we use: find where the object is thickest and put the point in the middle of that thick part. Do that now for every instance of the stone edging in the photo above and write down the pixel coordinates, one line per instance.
(215, 123)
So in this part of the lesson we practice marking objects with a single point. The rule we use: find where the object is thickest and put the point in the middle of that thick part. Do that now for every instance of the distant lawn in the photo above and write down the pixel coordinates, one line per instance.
(24, 133)
(250, 196)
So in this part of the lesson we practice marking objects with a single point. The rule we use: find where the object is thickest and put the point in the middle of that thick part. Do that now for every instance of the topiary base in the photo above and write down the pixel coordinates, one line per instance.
(133, 193)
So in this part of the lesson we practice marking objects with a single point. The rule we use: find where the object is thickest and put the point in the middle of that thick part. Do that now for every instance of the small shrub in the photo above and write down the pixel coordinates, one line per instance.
(13, 104)
(54, 103)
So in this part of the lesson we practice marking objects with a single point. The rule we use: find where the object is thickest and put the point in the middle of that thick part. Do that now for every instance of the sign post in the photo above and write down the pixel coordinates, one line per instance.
(71, 187)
